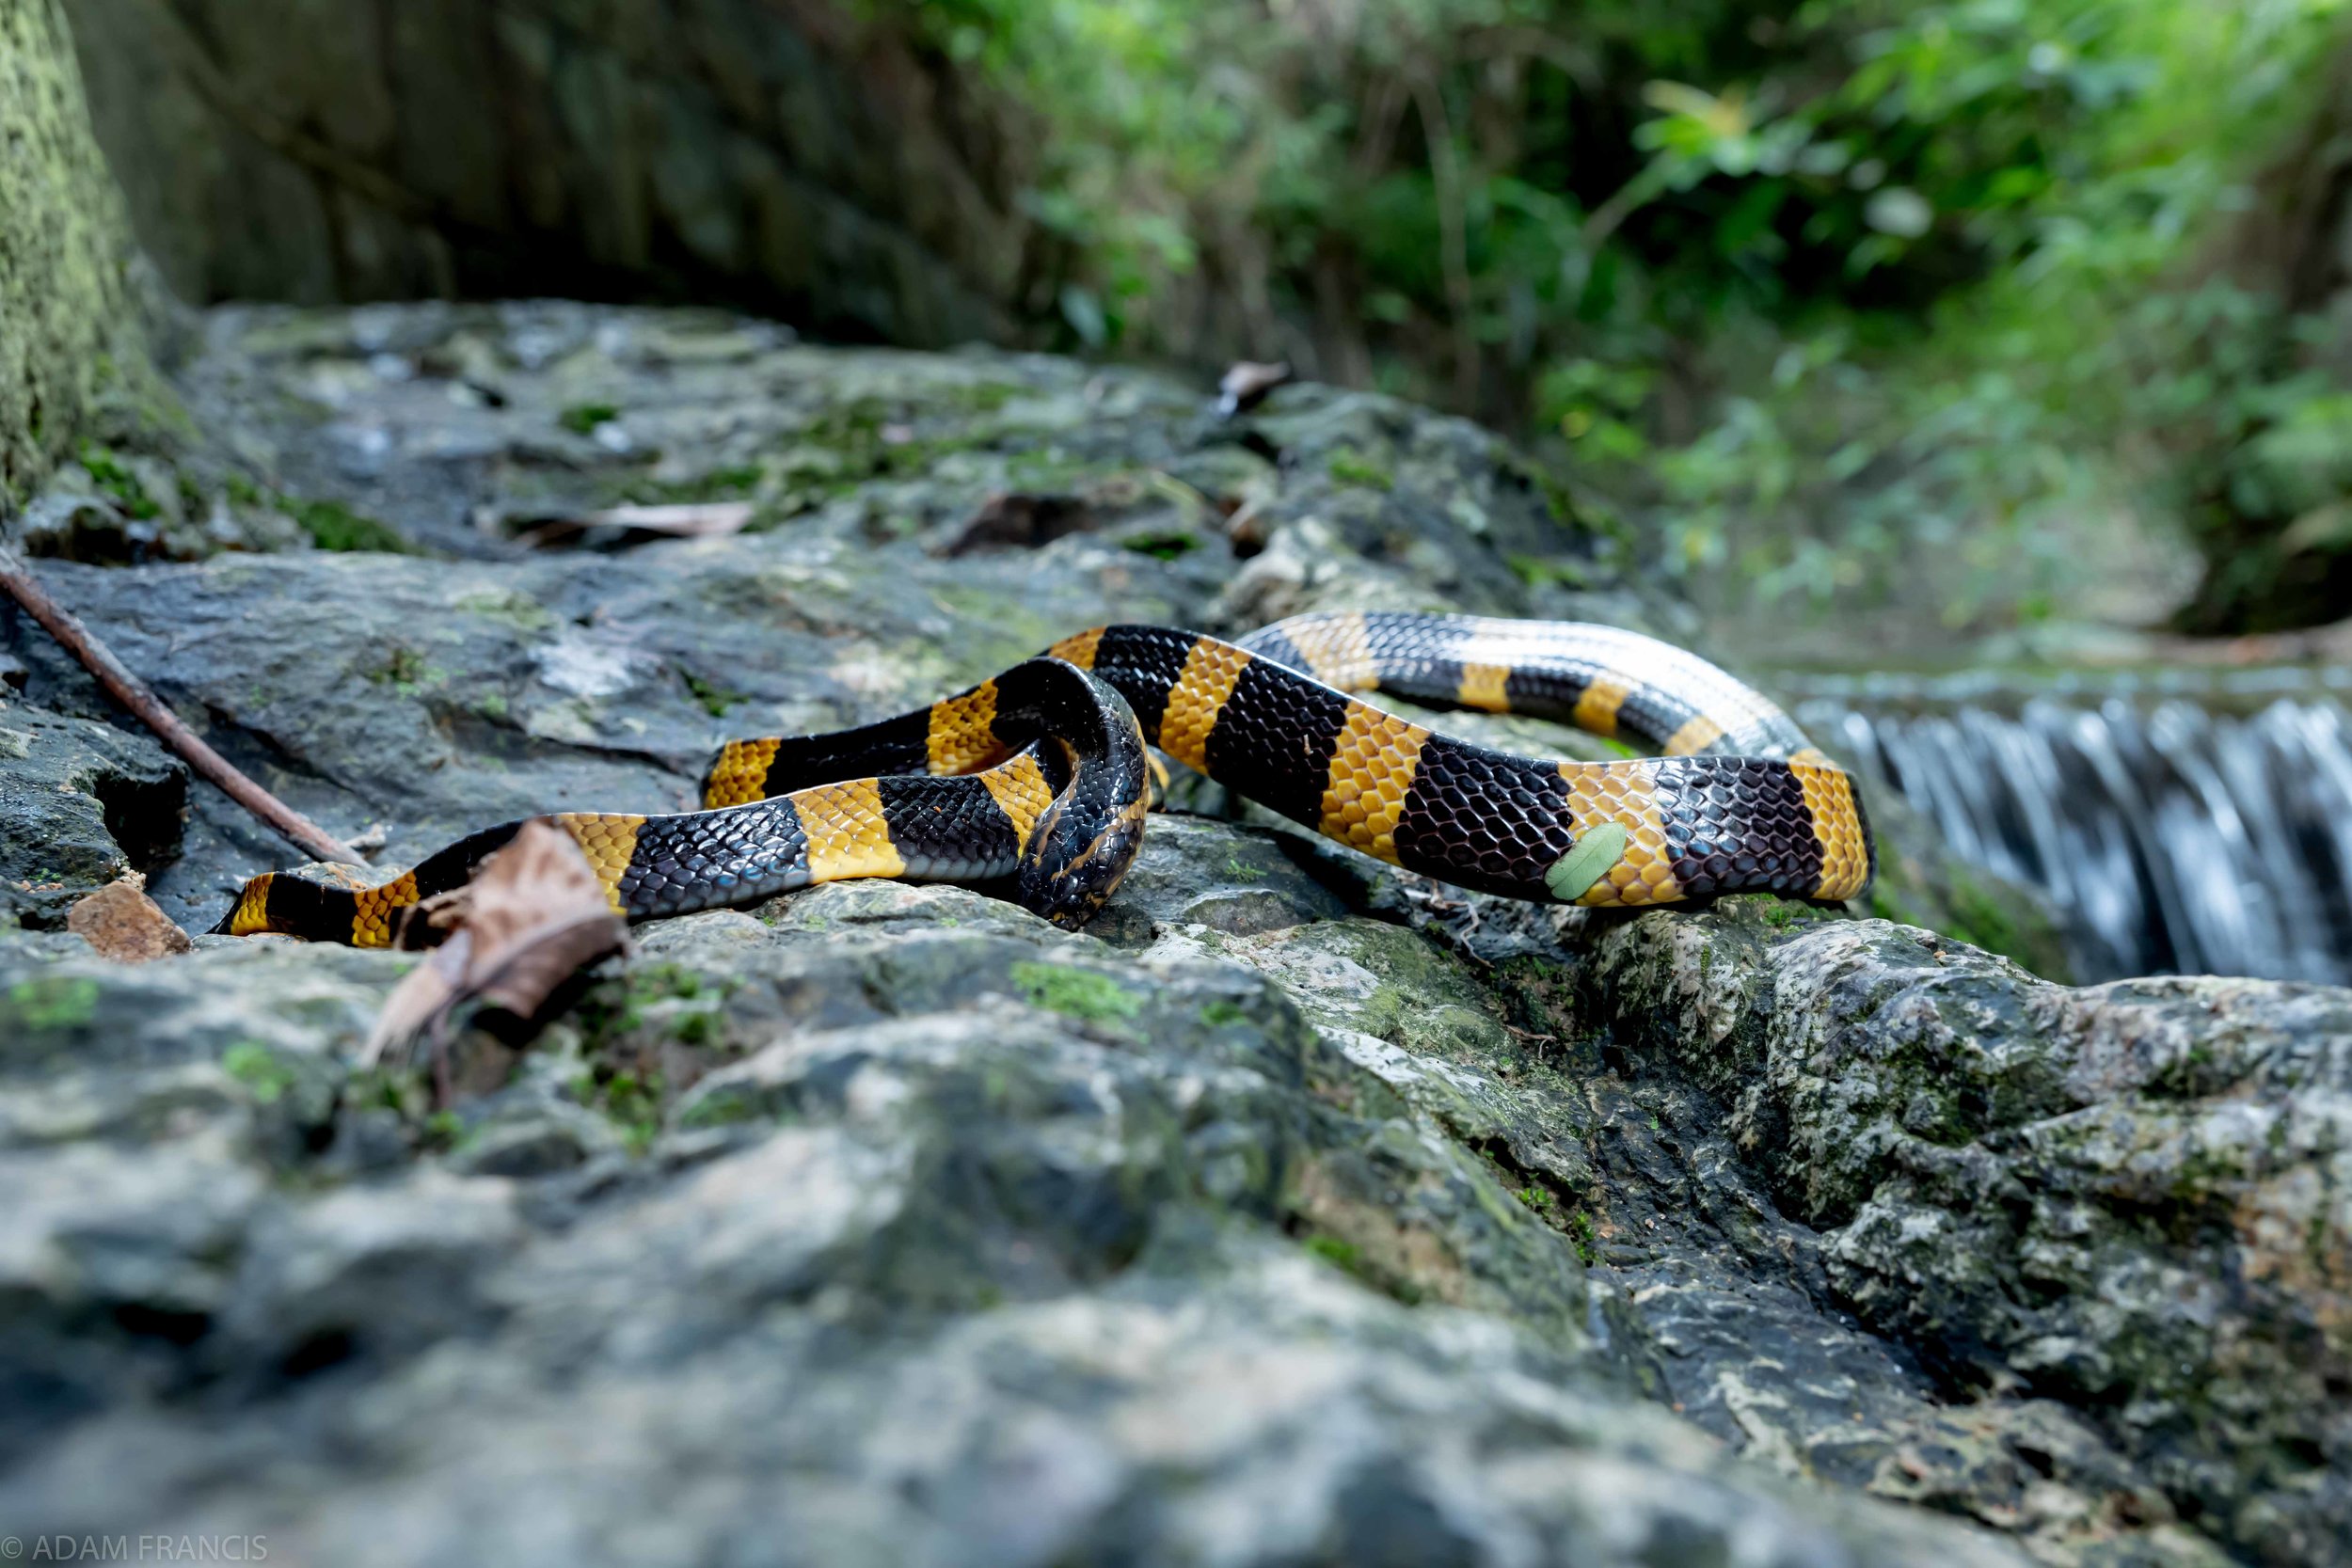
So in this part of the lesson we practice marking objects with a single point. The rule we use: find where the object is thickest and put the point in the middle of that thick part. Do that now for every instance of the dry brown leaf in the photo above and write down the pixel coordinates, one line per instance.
(628, 524)
(532, 918)
(686, 521)
(122, 923)
(1244, 385)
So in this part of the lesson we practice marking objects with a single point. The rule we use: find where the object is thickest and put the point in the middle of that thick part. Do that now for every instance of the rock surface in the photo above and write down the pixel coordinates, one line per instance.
(1298, 1210)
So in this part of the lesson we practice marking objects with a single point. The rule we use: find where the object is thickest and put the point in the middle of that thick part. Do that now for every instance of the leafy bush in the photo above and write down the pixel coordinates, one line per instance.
(1819, 289)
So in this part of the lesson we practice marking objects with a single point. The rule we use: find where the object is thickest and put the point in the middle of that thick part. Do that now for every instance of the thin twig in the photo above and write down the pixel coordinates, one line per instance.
(133, 693)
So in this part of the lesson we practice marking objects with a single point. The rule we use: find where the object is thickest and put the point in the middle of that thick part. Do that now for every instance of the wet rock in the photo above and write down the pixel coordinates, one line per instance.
(964, 1237)
(82, 804)
(2127, 1198)
(1297, 1209)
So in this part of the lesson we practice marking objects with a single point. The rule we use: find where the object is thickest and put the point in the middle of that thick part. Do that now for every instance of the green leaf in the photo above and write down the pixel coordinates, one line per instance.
(1575, 872)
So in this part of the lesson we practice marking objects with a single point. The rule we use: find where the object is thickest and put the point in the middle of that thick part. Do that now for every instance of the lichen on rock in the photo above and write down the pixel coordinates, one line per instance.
(63, 246)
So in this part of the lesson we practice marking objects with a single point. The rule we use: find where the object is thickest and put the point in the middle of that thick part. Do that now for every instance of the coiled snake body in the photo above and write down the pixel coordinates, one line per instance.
(1039, 780)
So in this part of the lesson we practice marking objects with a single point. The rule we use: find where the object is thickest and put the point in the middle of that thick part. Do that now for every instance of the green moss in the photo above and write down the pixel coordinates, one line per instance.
(1969, 909)
(1978, 917)
(66, 338)
(997, 632)
(1349, 467)
(519, 610)
(1219, 1013)
(985, 397)
(406, 671)
(1332, 1250)
(1076, 993)
(726, 1107)
(54, 1002)
(582, 418)
(1580, 1233)
(257, 1067)
(1161, 547)
(680, 1003)
(717, 485)
(631, 1102)
(715, 699)
(1538, 571)
(333, 525)
(117, 482)
(1350, 1259)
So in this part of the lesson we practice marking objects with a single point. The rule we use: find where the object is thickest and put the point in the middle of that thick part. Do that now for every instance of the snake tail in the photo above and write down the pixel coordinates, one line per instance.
(1058, 811)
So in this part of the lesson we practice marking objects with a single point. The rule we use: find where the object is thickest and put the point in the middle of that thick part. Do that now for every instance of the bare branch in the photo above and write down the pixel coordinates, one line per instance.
(133, 693)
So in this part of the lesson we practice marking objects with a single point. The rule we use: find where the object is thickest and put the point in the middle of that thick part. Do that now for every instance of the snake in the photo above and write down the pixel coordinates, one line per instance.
(1036, 784)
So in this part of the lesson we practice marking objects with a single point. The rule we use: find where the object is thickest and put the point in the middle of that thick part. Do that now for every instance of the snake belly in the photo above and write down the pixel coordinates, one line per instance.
(1038, 778)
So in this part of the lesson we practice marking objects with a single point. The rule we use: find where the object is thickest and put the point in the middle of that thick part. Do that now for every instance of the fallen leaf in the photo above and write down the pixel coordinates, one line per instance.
(687, 520)
(1244, 385)
(509, 943)
(122, 923)
(684, 520)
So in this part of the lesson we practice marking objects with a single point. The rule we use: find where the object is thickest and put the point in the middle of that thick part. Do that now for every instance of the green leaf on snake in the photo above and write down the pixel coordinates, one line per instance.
(1575, 872)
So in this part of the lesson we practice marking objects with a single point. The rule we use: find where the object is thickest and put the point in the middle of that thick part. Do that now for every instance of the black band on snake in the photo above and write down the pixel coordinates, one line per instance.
(1038, 781)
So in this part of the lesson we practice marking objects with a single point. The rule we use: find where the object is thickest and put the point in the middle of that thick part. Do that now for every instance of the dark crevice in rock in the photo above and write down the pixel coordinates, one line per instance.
(145, 817)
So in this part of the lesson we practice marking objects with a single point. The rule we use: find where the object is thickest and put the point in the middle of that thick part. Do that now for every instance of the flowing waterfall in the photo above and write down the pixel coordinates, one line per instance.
(2187, 824)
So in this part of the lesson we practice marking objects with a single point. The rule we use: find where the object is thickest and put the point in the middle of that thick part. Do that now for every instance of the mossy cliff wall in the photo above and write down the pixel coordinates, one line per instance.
(61, 248)
(782, 155)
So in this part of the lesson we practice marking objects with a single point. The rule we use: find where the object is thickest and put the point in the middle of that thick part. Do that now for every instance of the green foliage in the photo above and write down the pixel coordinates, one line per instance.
(1581, 1236)
(1818, 289)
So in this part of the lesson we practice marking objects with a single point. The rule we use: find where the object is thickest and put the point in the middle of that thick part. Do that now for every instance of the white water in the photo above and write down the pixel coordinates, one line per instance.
(2200, 835)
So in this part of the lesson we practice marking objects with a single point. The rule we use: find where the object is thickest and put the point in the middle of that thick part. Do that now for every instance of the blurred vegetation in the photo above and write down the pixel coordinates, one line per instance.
(1815, 292)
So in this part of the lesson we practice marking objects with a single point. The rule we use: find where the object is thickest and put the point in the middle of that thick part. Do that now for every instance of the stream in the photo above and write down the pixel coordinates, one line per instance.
(2193, 821)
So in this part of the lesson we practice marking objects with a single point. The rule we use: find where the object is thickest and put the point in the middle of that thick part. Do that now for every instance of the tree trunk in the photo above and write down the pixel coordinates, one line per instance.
(63, 324)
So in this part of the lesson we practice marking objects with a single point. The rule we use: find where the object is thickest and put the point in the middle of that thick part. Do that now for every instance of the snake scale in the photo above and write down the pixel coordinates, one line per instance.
(1038, 781)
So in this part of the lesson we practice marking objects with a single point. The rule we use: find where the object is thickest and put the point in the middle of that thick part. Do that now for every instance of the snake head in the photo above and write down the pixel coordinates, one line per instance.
(1088, 838)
